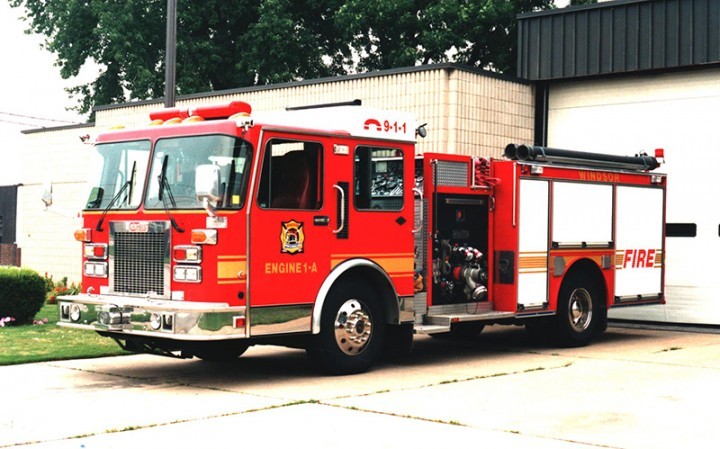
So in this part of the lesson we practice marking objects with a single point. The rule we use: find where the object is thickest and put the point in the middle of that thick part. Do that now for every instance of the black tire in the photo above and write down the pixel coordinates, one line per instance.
(352, 330)
(578, 311)
(539, 329)
(220, 352)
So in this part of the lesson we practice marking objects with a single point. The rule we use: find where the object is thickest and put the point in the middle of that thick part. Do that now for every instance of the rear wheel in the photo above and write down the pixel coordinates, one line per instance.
(352, 330)
(578, 311)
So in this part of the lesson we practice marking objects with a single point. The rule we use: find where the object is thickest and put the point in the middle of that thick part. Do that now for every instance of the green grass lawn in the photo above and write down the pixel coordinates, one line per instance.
(40, 343)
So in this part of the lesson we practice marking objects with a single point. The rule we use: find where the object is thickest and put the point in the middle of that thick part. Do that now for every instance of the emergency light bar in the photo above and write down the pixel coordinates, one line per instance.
(204, 112)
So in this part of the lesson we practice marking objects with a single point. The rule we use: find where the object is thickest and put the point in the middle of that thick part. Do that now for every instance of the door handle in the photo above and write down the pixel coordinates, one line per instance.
(342, 209)
(321, 220)
(422, 210)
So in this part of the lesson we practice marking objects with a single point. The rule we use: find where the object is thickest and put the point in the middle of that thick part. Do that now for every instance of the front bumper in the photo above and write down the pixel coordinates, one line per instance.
(175, 320)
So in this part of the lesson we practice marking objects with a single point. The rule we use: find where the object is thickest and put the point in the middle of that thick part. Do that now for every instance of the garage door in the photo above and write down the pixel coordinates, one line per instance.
(678, 112)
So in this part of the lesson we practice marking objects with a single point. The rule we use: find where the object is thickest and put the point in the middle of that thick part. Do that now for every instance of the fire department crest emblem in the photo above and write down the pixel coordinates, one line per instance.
(292, 237)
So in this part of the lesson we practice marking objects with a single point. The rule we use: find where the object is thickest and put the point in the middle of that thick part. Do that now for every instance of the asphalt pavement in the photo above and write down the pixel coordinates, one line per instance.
(633, 388)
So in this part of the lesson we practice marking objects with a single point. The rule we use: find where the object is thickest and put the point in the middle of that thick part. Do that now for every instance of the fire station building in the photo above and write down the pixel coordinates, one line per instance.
(617, 77)
(631, 75)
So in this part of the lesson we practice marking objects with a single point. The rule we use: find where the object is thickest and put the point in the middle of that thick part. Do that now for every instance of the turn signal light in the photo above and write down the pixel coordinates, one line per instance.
(96, 251)
(83, 235)
(204, 236)
(187, 253)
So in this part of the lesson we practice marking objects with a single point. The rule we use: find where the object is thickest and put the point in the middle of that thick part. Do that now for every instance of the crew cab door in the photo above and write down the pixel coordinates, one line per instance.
(377, 224)
(289, 230)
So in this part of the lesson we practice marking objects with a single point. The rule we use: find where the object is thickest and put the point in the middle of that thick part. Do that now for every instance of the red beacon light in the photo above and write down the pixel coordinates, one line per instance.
(199, 113)
(221, 111)
(169, 113)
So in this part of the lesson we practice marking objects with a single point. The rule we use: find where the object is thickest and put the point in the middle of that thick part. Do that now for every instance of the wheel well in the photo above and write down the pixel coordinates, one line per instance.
(586, 267)
(369, 273)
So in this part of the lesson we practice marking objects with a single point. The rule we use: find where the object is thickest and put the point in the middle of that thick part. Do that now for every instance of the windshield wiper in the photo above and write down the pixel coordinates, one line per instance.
(114, 199)
(162, 179)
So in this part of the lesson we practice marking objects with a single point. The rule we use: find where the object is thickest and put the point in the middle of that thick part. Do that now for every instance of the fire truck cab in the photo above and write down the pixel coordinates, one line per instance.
(215, 228)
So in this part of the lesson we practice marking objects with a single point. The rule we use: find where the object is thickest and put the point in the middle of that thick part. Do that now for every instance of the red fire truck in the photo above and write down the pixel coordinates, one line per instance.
(215, 228)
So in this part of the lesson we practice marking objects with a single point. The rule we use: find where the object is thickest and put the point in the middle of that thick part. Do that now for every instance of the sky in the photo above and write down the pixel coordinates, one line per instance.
(30, 86)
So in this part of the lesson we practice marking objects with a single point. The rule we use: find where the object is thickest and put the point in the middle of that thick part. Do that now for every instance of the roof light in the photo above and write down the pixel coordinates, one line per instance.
(168, 113)
(221, 111)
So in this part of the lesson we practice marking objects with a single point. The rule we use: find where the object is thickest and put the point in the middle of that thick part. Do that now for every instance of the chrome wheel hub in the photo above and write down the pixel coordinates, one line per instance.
(580, 309)
(353, 327)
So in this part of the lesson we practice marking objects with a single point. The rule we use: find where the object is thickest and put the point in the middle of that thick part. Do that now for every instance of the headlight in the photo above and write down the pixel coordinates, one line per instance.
(183, 273)
(96, 269)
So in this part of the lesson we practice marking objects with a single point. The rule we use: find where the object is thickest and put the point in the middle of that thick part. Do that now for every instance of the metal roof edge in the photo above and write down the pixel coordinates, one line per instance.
(330, 79)
(58, 128)
(578, 8)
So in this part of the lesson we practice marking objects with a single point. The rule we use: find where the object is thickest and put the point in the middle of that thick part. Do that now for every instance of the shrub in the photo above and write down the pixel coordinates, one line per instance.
(22, 294)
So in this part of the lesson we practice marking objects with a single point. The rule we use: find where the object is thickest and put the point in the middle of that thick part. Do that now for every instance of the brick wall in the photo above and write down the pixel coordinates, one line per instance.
(9, 254)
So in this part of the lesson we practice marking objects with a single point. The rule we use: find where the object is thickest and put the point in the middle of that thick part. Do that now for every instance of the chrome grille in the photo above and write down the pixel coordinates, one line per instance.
(140, 258)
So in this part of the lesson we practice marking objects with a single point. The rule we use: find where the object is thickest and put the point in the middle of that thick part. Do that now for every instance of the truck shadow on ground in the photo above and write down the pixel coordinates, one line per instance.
(273, 365)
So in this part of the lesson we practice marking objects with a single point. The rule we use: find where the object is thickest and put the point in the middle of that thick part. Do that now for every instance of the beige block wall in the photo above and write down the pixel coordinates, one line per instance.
(46, 236)
(467, 112)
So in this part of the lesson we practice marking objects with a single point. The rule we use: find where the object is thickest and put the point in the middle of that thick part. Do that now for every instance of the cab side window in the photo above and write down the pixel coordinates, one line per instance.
(378, 179)
(291, 175)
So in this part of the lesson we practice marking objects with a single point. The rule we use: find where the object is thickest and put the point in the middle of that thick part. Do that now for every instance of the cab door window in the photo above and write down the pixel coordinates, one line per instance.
(378, 179)
(291, 175)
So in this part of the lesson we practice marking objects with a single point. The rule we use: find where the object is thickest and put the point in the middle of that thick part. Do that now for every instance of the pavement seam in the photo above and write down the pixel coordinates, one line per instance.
(453, 381)
(169, 423)
(288, 404)
(640, 362)
(467, 426)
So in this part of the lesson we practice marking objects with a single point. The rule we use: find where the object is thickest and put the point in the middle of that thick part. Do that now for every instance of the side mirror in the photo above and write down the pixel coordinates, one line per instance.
(47, 194)
(207, 182)
(96, 197)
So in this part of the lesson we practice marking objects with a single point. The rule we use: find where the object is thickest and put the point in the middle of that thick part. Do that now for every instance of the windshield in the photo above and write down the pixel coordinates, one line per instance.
(122, 172)
(176, 161)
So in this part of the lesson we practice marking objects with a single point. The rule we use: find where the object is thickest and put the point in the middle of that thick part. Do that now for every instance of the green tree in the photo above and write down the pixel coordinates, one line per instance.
(225, 44)
(386, 34)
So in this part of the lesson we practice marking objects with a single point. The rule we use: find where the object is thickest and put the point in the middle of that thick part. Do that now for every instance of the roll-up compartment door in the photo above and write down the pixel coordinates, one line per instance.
(639, 249)
(533, 253)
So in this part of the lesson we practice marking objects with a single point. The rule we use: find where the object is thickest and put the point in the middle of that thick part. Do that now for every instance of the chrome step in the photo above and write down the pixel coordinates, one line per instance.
(430, 329)
(446, 320)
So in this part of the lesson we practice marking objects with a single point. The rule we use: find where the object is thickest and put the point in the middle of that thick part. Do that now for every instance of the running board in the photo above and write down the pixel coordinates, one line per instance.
(442, 323)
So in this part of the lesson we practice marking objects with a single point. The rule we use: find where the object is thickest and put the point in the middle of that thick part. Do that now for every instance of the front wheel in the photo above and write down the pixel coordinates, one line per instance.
(578, 311)
(352, 330)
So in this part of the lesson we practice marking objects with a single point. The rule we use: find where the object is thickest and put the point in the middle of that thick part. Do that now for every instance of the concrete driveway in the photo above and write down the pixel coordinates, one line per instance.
(632, 389)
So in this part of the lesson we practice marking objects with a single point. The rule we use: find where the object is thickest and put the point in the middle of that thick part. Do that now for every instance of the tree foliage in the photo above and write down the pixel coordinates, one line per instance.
(225, 44)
